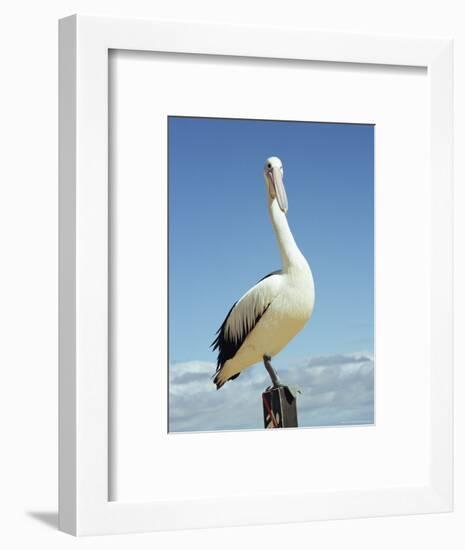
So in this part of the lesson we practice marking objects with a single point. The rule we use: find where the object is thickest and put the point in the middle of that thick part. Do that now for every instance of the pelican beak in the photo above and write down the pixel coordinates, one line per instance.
(277, 184)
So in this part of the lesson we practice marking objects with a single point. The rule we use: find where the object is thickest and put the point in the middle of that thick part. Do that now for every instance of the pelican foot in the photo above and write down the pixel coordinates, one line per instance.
(275, 386)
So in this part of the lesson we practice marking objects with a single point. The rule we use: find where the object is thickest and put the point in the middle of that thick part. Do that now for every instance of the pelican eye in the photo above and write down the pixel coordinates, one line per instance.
(269, 165)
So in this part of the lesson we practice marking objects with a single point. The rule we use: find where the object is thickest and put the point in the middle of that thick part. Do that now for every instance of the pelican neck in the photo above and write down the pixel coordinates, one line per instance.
(290, 254)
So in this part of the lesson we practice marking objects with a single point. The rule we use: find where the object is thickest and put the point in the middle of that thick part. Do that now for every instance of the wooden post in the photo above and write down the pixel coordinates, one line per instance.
(279, 408)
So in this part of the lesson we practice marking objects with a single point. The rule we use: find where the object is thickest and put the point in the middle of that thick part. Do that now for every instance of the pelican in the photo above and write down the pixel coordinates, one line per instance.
(261, 323)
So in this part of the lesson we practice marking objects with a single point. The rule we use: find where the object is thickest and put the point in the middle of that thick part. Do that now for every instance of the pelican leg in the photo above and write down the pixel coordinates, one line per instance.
(271, 371)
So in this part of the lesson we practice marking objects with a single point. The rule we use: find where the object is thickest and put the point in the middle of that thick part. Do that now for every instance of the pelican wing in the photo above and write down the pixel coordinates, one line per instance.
(243, 317)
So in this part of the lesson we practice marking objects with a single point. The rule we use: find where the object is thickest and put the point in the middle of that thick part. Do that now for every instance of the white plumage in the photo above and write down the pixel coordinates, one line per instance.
(271, 313)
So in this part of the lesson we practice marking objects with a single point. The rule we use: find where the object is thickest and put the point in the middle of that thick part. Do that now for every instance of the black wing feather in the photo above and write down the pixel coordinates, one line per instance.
(277, 272)
(227, 347)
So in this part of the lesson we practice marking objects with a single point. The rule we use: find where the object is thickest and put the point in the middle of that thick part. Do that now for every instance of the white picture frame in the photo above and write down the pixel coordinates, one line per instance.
(84, 505)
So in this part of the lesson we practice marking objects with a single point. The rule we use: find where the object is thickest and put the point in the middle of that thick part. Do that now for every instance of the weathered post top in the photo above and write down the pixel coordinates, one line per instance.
(279, 408)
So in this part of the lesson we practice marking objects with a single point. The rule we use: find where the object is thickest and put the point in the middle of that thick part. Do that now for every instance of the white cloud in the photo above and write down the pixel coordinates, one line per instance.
(336, 389)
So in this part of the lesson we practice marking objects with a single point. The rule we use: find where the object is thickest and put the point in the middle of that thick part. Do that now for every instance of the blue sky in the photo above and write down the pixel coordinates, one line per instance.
(221, 241)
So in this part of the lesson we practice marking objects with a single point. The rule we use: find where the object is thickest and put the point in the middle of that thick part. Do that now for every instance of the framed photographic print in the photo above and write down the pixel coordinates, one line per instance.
(214, 167)
(255, 275)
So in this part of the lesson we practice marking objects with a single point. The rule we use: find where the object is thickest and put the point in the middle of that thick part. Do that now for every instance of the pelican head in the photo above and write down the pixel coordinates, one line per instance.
(274, 181)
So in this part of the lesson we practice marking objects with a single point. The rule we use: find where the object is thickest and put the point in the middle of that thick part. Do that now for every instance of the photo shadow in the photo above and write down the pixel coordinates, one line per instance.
(47, 518)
